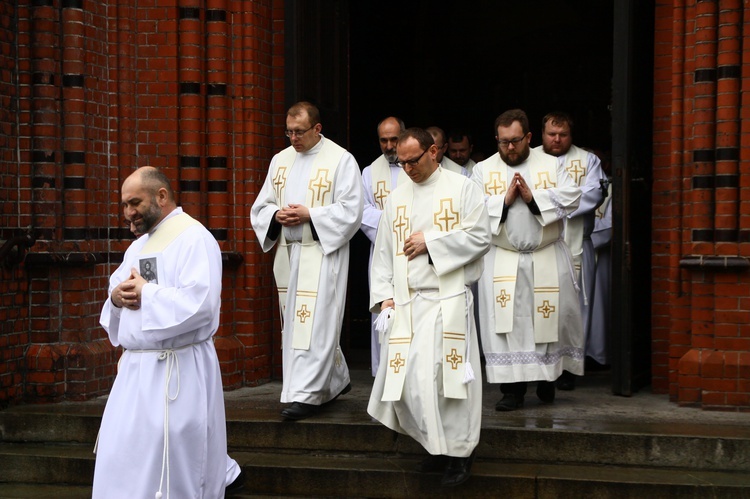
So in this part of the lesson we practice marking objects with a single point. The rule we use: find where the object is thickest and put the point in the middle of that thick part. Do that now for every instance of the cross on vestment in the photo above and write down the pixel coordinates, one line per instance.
(454, 359)
(495, 186)
(446, 218)
(503, 298)
(401, 227)
(303, 313)
(397, 363)
(279, 181)
(320, 185)
(577, 171)
(543, 181)
(381, 193)
(545, 309)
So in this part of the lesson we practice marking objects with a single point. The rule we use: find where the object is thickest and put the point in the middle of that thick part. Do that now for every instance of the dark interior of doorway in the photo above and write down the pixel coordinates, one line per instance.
(459, 64)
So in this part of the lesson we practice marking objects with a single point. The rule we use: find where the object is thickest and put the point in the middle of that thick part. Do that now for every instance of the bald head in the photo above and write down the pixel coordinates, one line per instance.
(147, 198)
(438, 136)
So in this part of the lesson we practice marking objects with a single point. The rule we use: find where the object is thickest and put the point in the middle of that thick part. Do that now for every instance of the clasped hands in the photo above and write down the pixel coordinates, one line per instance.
(293, 214)
(518, 187)
(128, 293)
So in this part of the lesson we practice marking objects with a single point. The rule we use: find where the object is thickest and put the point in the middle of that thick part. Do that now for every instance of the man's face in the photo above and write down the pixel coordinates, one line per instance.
(460, 152)
(418, 163)
(556, 139)
(388, 138)
(305, 136)
(512, 150)
(140, 207)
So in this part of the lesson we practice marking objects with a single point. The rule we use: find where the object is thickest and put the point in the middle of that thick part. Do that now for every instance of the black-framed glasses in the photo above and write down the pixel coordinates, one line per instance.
(297, 133)
(411, 162)
(505, 143)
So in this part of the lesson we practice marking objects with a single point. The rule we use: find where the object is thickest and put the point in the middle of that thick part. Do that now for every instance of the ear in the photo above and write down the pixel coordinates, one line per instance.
(162, 197)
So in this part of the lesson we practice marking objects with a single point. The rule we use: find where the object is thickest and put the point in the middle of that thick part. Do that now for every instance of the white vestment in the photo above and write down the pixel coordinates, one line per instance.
(316, 375)
(449, 164)
(446, 426)
(169, 352)
(596, 341)
(585, 169)
(515, 356)
(374, 199)
(470, 164)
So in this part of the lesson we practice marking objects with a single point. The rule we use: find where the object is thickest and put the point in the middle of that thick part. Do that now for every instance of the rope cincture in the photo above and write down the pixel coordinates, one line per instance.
(173, 365)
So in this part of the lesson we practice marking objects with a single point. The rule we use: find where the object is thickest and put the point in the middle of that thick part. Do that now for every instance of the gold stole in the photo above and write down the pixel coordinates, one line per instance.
(546, 283)
(167, 232)
(319, 193)
(576, 163)
(446, 200)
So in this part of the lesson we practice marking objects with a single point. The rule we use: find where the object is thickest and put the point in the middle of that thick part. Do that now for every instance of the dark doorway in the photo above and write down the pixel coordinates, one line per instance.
(457, 65)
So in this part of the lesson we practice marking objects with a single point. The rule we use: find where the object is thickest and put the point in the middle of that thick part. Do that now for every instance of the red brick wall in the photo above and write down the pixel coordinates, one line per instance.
(701, 283)
(99, 88)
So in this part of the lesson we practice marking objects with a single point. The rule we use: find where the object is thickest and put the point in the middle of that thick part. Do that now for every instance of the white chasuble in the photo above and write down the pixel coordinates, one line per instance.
(546, 308)
(319, 193)
(446, 199)
(434, 335)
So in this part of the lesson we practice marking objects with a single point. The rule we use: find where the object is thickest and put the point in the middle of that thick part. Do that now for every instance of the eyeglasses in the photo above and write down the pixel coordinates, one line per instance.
(297, 133)
(505, 143)
(411, 162)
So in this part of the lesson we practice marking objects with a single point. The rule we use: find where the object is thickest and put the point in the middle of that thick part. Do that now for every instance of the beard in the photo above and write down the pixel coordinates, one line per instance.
(148, 219)
(391, 156)
(517, 158)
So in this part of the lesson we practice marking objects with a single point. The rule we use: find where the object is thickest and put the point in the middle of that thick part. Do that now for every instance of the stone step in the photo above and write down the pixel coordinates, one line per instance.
(340, 475)
(678, 445)
(26, 491)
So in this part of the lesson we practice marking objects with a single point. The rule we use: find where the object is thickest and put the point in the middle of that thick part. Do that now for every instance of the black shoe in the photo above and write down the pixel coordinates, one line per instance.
(236, 486)
(566, 381)
(458, 471)
(346, 390)
(299, 410)
(433, 464)
(545, 390)
(509, 402)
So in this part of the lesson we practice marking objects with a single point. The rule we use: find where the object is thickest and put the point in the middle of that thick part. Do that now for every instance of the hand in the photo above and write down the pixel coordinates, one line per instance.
(518, 187)
(387, 303)
(128, 293)
(292, 215)
(415, 245)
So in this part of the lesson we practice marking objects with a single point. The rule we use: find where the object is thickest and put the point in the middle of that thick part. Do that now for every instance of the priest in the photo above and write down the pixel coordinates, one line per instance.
(432, 235)
(309, 207)
(530, 318)
(163, 432)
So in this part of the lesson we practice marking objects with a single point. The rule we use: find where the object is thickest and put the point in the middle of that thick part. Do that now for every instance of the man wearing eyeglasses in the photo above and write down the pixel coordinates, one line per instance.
(438, 135)
(378, 180)
(585, 168)
(530, 319)
(432, 235)
(310, 206)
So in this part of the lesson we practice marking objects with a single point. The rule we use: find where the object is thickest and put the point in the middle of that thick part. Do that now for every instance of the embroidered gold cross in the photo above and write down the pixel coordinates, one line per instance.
(401, 227)
(496, 185)
(303, 313)
(545, 309)
(454, 359)
(446, 218)
(279, 181)
(544, 182)
(397, 363)
(577, 171)
(320, 185)
(503, 298)
(381, 193)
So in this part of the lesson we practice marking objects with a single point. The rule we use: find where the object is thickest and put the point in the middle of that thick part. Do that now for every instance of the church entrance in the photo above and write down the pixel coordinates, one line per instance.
(458, 65)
